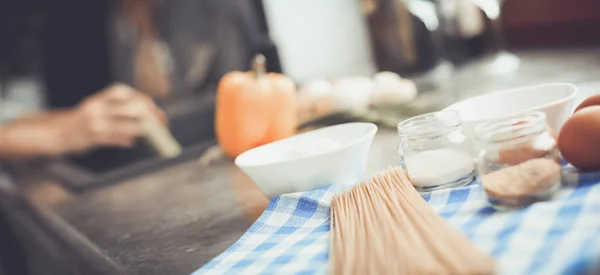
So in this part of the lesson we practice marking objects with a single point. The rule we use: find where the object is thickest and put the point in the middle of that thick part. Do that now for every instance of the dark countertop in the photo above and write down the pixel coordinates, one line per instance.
(173, 221)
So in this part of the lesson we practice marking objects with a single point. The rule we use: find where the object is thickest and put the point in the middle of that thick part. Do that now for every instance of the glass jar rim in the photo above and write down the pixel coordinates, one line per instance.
(429, 124)
(511, 128)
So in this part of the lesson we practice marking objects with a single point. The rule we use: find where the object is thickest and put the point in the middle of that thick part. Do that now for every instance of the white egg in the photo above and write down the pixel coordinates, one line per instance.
(315, 98)
(316, 88)
(386, 77)
(392, 89)
(353, 93)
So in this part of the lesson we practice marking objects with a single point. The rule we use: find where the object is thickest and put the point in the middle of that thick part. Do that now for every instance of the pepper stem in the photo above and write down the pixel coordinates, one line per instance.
(259, 66)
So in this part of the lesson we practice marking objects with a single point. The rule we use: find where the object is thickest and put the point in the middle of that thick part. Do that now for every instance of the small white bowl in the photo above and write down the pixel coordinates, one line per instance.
(556, 100)
(275, 173)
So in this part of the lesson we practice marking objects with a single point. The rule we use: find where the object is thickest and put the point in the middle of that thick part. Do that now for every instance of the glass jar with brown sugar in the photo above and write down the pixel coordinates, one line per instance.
(518, 161)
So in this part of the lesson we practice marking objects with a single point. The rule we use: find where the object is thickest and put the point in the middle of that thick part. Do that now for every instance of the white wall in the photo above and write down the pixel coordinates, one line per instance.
(320, 38)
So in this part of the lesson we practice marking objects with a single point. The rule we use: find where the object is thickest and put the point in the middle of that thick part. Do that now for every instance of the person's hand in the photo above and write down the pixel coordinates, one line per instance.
(112, 117)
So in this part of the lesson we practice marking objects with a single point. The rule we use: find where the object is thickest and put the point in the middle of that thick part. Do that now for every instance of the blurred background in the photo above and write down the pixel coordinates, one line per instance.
(54, 52)
(373, 60)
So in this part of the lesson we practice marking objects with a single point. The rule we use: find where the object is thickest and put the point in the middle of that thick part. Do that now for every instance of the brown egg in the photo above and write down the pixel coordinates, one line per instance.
(579, 139)
(590, 101)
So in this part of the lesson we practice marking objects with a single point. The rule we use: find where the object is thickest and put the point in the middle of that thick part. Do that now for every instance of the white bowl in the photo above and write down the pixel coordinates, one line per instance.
(556, 100)
(270, 167)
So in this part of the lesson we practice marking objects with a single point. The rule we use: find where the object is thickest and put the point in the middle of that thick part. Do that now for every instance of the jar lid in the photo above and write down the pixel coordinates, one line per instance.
(511, 128)
(429, 124)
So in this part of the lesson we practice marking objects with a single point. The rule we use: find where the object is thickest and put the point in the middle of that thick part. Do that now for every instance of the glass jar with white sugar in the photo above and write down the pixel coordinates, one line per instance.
(434, 152)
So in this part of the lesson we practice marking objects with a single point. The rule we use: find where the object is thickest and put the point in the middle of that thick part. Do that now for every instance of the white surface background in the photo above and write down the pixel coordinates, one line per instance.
(320, 38)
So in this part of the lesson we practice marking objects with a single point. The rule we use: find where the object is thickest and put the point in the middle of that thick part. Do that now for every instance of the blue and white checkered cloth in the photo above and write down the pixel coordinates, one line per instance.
(561, 236)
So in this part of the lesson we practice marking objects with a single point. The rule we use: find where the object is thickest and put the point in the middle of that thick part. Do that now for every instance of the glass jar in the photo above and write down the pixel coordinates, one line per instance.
(518, 161)
(434, 152)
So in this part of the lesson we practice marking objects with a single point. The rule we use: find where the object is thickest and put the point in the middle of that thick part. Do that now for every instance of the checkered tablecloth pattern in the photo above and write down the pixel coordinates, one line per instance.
(561, 236)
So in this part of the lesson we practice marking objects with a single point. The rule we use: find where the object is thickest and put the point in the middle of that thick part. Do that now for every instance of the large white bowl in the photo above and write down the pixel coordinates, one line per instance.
(556, 100)
(267, 167)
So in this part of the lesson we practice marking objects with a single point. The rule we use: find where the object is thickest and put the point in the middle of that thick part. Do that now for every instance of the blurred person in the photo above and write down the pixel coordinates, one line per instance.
(111, 117)
(65, 45)
(85, 110)
(79, 49)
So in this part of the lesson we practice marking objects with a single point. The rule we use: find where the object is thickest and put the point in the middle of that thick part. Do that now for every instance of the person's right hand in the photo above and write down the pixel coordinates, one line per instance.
(112, 117)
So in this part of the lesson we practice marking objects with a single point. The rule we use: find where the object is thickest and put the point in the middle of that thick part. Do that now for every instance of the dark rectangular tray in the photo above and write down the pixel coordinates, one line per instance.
(191, 123)
(80, 178)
